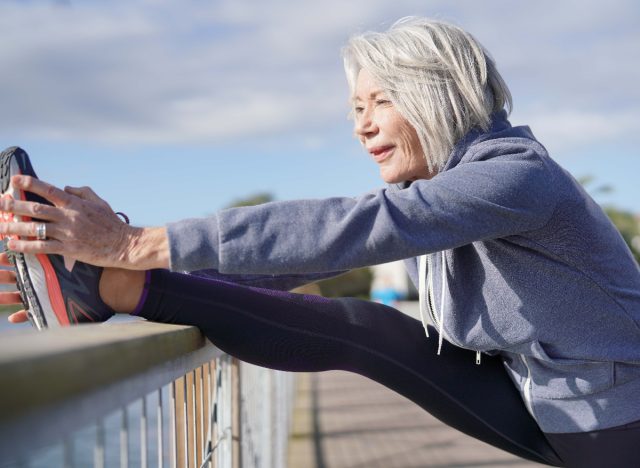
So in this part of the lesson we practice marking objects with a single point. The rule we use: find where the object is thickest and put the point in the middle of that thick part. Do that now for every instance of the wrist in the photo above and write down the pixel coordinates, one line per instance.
(146, 248)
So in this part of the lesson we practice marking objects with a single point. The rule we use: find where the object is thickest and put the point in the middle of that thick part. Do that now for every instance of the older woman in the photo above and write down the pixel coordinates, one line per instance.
(519, 270)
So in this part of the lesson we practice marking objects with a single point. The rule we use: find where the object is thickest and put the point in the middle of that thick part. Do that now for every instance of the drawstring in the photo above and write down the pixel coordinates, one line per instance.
(425, 287)
(422, 291)
(443, 267)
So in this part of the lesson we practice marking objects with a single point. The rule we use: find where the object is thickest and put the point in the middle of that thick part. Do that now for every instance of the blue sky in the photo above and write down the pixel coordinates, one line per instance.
(173, 109)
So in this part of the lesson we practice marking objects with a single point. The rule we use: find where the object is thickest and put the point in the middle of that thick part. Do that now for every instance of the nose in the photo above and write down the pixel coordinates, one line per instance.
(365, 125)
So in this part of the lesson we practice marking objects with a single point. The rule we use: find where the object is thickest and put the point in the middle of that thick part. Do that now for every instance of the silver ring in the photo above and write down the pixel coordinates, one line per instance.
(41, 231)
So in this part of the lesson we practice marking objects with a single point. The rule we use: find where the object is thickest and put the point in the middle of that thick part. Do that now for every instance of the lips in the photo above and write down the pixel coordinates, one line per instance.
(380, 153)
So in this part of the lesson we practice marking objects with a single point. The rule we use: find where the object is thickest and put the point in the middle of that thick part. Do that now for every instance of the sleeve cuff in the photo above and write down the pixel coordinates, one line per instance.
(193, 244)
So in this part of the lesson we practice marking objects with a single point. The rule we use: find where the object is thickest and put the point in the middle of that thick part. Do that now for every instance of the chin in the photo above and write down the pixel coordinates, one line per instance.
(391, 178)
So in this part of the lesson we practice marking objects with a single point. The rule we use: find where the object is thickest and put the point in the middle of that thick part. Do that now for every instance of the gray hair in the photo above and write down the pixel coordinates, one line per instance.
(438, 76)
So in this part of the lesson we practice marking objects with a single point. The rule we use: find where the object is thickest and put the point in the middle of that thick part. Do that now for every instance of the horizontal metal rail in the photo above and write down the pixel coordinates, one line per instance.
(163, 392)
(54, 382)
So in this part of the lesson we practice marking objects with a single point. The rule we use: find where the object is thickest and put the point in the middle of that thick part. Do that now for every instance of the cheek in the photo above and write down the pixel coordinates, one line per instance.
(410, 144)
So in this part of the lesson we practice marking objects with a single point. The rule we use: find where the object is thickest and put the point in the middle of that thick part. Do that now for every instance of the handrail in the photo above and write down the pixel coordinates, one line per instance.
(101, 354)
(57, 382)
(66, 378)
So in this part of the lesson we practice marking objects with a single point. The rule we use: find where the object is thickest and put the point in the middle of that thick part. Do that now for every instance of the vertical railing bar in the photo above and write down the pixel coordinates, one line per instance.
(174, 429)
(212, 400)
(98, 448)
(143, 433)
(124, 438)
(202, 411)
(160, 429)
(194, 421)
(68, 452)
(185, 414)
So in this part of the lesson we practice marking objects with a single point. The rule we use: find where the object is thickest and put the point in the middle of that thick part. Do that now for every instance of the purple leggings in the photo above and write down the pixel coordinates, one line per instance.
(305, 333)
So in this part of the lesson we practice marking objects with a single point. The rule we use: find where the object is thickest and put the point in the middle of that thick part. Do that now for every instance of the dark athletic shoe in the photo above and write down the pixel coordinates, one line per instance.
(55, 291)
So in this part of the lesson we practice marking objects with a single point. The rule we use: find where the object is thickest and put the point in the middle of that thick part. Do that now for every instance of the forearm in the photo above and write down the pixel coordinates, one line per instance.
(145, 249)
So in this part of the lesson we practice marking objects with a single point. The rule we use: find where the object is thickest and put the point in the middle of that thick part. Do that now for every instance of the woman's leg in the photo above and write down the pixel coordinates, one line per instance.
(616, 447)
(294, 332)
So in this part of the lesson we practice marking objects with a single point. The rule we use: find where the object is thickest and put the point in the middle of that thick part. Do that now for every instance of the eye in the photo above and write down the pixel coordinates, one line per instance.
(358, 109)
(382, 102)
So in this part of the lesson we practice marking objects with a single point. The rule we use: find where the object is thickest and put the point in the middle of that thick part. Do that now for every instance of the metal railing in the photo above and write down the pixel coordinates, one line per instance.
(137, 394)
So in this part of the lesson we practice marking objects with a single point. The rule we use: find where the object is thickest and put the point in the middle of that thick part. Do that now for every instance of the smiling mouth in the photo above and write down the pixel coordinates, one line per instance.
(380, 153)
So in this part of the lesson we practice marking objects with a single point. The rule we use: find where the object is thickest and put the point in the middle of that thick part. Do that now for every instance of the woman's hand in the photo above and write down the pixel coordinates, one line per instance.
(82, 226)
(10, 297)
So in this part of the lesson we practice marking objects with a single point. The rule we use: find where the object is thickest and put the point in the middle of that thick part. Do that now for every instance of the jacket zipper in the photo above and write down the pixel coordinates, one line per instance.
(527, 387)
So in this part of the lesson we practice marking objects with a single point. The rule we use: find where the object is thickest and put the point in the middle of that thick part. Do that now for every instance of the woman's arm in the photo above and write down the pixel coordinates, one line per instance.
(499, 197)
(471, 202)
(146, 249)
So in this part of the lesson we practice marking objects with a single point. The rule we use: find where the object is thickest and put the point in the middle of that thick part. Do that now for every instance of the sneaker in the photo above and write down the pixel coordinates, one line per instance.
(56, 291)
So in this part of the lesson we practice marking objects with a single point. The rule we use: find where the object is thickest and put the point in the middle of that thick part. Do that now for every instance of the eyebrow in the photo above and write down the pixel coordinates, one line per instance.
(371, 95)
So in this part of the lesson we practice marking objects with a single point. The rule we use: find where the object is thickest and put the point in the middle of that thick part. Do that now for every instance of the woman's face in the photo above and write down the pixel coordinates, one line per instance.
(390, 140)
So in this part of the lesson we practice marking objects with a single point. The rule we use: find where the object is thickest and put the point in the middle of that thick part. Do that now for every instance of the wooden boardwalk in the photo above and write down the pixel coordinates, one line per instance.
(344, 420)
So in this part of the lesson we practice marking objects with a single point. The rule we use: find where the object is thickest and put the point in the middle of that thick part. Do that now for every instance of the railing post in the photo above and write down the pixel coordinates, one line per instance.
(181, 424)
(98, 451)
(235, 409)
(143, 434)
(160, 433)
(124, 438)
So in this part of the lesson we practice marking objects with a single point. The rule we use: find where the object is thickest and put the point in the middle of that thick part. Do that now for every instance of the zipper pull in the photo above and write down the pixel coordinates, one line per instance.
(478, 357)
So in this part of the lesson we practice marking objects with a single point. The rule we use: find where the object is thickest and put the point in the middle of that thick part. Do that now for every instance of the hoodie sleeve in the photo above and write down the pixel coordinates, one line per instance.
(486, 197)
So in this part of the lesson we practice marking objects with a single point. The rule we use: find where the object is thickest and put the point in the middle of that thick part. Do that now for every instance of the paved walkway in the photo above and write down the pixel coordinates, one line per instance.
(343, 420)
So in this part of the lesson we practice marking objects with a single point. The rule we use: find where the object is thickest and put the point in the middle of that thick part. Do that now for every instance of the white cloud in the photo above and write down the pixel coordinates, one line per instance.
(164, 71)
(562, 130)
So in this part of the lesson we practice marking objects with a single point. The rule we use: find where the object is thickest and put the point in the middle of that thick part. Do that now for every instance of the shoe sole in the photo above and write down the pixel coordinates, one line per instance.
(36, 278)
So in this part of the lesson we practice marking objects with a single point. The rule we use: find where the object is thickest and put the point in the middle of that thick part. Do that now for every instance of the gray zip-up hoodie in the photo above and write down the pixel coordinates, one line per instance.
(524, 264)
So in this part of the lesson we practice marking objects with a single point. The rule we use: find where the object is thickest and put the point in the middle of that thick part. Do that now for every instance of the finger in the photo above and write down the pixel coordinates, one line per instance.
(18, 317)
(50, 246)
(86, 193)
(28, 208)
(25, 230)
(10, 298)
(7, 277)
(31, 184)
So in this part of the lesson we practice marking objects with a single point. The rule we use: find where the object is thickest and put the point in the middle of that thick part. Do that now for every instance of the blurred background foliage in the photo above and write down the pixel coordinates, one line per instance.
(626, 222)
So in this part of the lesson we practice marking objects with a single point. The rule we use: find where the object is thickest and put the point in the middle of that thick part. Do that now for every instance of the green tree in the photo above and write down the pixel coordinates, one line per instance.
(252, 200)
(627, 224)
